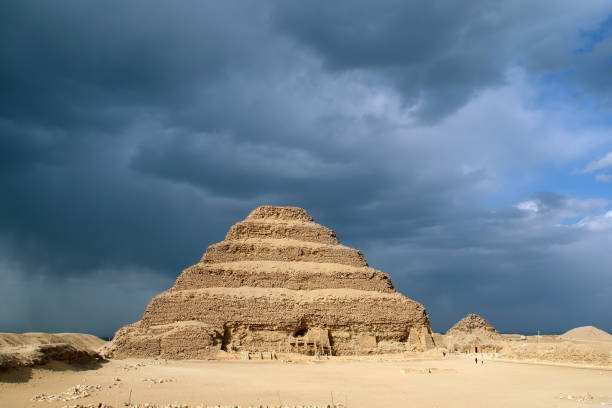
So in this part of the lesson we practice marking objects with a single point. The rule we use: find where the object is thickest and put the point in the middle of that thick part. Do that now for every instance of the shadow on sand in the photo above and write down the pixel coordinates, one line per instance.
(24, 374)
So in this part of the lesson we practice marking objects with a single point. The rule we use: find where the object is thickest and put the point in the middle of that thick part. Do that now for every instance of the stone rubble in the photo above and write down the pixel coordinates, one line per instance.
(159, 380)
(76, 392)
(577, 398)
(178, 405)
(99, 405)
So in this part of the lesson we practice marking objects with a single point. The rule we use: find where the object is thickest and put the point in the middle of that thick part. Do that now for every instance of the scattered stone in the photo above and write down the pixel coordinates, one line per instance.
(76, 392)
(178, 405)
(427, 371)
(99, 405)
(159, 380)
(578, 398)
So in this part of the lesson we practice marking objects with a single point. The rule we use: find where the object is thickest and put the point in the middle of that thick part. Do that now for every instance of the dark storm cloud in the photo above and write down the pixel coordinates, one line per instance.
(72, 64)
(132, 135)
(438, 55)
(505, 264)
(75, 79)
(434, 53)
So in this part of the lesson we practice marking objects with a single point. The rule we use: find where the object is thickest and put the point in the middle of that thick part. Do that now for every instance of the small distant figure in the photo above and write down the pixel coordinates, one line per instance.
(444, 354)
(476, 360)
(481, 360)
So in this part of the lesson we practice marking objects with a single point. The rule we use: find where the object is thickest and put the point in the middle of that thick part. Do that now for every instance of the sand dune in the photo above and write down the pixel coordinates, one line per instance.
(588, 333)
(87, 341)
(33, 349)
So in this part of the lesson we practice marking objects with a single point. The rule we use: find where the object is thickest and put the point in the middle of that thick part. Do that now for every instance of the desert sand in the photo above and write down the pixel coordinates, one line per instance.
(453, 382)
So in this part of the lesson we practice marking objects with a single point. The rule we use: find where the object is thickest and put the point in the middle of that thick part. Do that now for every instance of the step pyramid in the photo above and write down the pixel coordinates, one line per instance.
(278, 282)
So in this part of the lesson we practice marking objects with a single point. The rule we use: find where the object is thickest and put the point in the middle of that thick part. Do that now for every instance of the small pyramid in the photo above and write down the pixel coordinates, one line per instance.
(473, 333)
(470, 324)
(278, 282)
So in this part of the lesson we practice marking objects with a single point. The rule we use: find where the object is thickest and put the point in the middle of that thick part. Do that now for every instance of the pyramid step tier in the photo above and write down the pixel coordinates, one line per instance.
(286, 308)
(270, 212)
(280, 229)
(278, 274)
(202, 322)
(282, 250)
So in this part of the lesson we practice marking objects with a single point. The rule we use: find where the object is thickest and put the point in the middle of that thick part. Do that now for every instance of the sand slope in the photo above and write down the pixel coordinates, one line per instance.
(33, 349)
(40, 354)
(588, 333)
(80, 340)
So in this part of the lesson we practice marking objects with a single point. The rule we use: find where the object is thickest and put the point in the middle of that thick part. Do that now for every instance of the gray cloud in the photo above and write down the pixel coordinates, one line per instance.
(508, 263)
(439, 55)
(133, 135)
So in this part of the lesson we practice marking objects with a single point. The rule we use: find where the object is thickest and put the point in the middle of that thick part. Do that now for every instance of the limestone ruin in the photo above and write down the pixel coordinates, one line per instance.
(473, 334)
(470, 324)
(279, 282)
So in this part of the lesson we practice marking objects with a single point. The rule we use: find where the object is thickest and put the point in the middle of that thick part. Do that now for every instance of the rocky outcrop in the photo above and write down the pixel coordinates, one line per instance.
(278, 282)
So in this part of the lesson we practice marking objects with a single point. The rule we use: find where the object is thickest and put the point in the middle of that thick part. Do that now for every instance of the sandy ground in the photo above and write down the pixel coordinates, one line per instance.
(452, 383)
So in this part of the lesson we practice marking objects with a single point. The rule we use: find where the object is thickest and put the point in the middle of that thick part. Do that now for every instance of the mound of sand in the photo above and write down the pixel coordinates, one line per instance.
(564, 352)
(33, 349)
(40, 354)
(79, 340)
(278, 282)
(587, 333)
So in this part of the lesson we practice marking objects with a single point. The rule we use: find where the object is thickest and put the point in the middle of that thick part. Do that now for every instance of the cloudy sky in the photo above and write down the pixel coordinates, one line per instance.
(464, 146)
